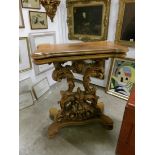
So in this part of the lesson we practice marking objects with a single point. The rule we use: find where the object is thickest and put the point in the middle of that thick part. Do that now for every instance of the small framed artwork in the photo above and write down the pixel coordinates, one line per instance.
(21, 21)
(31, 4)
(41, 38)
(25, 100)
(125, 32)
(38, 20)
(121, 77)
(24, 55)
(41, 88)
(88, 20)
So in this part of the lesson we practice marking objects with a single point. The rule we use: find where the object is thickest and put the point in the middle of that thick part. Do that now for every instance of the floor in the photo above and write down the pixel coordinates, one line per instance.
(90, 139)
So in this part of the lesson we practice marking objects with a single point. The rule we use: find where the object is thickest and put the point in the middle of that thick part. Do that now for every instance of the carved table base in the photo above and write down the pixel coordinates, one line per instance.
(55, 127)
(78, 107)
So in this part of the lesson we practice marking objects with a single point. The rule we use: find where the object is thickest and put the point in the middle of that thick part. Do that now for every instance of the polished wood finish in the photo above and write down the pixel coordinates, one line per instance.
(81, 106)
(126, 141)
(47, 53)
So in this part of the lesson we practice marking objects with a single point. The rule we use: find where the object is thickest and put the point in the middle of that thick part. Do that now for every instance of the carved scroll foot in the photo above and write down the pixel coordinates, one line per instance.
(55, 127)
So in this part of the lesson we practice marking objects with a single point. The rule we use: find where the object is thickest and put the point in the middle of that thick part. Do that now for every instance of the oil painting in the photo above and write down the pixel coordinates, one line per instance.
(121, 77)
(88, 20)
(38, 20)
(85, 21)
(125, 31)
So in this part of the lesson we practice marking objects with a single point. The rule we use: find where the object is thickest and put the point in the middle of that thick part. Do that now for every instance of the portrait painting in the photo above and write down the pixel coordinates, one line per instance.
(38, 20)
(121, 77)
(88, 20)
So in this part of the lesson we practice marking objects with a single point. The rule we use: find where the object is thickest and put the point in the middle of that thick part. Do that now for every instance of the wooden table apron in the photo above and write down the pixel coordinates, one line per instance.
(81, 106)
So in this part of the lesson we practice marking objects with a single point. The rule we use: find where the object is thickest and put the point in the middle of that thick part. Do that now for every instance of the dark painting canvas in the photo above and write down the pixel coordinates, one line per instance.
(128, 26)
(88, 20)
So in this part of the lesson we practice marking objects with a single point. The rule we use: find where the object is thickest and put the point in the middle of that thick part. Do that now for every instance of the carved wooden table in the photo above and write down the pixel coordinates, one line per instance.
(81, 106)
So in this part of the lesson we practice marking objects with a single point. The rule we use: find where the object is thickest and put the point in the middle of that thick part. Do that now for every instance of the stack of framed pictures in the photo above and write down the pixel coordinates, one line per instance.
(41, 38)
(24, 55)
(121, 77)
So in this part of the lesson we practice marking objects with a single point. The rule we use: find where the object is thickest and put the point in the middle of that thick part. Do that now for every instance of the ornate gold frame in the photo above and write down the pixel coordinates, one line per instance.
(122, 4)
(105, 19)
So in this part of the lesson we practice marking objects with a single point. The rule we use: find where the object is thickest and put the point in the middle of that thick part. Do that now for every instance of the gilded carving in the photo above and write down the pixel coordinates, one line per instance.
(50, 7)
(81, 66)
(79, 105)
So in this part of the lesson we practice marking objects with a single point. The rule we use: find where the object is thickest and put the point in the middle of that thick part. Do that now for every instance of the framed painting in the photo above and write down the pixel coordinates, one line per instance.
(38, 20)
(24, 55)
(31, 4)
(88, 20)
(41, 88)
(42, 38)
(125, 32)
(121, 77)
(21, 21)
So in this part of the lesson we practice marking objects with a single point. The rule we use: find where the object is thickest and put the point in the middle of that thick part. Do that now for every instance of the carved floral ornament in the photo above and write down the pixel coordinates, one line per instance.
(50, 7)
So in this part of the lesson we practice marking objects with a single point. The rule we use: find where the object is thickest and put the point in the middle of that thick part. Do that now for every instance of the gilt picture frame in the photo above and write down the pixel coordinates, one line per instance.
(88, 20)
(125, 30)
(31, 4)
(121, 77)
(24, 55)
(38, 20)
(42, 38)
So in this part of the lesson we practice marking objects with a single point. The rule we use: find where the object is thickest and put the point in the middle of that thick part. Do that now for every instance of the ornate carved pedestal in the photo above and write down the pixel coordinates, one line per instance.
(81, 106)
(78, 107)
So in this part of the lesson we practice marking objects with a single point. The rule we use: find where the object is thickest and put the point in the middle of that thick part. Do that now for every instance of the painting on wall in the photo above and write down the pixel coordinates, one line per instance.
(121, 77)
(125, 33)
(24, 55)
(88, 20)
(32, 4)
(85, 21)
(21, 21)
(38, 20)
(42, 38)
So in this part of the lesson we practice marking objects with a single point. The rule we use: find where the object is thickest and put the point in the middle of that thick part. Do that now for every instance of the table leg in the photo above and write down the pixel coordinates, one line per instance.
(79, 107)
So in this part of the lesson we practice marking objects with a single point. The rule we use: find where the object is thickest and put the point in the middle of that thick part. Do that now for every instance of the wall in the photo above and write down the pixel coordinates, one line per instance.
(114, 8)
(60, 26)
(24, 32)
